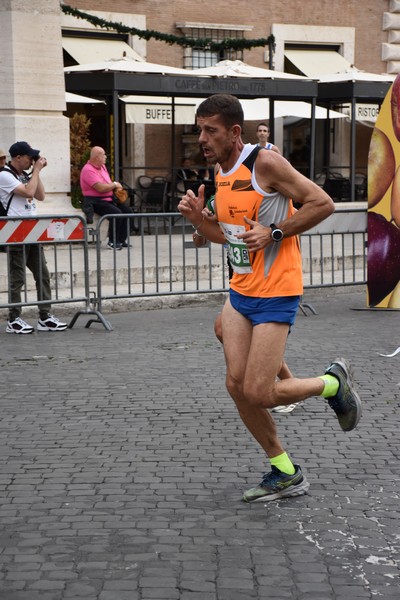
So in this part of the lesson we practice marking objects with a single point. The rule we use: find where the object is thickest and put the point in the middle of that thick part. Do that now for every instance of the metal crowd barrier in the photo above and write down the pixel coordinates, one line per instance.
(162, 259)
(69, 283)
(334, 252)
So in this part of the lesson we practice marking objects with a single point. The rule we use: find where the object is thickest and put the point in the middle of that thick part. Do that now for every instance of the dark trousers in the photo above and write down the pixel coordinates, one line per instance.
(31, 256)
(118, 229)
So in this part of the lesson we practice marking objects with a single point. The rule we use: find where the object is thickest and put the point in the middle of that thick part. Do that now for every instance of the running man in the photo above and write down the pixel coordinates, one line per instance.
(255, 217)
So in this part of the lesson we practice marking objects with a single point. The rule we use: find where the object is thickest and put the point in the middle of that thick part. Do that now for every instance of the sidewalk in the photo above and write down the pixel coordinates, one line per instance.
(123, 462)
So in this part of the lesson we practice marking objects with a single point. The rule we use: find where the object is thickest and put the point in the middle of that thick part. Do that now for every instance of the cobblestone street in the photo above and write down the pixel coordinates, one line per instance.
(123, 462)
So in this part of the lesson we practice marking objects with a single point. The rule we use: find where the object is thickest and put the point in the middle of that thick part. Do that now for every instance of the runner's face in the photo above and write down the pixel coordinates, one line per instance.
(263, 134)
(216, 140)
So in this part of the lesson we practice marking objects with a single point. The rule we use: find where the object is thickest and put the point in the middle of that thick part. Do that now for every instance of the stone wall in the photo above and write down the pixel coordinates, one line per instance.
(32, 98)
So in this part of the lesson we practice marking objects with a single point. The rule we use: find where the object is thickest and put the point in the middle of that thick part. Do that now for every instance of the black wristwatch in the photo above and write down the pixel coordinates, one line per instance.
(276, 234)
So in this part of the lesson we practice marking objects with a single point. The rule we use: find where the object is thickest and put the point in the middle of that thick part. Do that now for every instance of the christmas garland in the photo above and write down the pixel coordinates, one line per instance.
(148, 34)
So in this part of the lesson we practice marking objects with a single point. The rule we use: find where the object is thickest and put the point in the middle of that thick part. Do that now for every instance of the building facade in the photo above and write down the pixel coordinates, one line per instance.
(370, 21)
(303, 32)
(365, 35)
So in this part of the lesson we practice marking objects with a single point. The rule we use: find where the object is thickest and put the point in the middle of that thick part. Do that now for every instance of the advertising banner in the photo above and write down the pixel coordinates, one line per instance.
(383, 259)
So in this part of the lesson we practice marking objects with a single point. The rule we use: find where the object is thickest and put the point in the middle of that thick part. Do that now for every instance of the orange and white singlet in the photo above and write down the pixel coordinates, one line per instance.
(275, 270)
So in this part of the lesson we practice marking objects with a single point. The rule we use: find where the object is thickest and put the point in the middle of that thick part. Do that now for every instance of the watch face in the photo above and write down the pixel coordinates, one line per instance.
(277, 235)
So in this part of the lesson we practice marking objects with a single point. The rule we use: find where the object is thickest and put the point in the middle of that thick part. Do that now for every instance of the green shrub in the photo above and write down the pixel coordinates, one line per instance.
(79, 125)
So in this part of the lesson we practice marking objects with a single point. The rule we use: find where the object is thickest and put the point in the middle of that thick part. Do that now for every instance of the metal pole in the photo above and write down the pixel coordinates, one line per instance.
(272, 119)
(173, 158)
(115, 134)
(353, 150)
(312, 139)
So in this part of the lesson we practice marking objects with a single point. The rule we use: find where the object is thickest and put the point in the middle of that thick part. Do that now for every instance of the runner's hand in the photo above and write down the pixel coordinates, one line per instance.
(191, 206)
(257, 237)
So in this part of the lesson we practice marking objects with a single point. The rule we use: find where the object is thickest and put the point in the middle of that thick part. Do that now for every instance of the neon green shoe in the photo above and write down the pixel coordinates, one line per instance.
(346, 403)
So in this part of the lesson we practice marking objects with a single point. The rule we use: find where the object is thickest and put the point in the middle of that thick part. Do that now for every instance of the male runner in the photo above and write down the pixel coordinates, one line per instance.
(254, 215)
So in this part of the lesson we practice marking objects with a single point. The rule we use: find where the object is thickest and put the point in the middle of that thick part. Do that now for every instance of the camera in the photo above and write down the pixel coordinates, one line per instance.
(36, 157)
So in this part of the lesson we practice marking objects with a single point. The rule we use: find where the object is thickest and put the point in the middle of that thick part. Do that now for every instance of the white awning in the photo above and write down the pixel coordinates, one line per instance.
(318, 62)
(78, 99)
(258, 109)
(91, 50)
(356, 75)
(237, 68)
(127, 64)
(153, 109)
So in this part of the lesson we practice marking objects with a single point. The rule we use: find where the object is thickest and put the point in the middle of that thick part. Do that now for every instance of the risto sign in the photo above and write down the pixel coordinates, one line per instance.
(367, 112)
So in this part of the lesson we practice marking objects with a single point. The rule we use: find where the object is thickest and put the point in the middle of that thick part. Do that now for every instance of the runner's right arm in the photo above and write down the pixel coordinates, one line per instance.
(192, 208)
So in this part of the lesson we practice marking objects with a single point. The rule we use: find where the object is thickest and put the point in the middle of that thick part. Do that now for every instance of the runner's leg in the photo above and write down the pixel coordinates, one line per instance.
(238, 332)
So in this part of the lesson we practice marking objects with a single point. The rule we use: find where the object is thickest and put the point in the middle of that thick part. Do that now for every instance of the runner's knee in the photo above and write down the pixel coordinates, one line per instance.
(260, 395)
(218, 327)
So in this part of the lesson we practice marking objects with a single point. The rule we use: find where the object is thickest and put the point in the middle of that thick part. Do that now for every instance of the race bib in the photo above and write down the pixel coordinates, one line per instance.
(238, 253)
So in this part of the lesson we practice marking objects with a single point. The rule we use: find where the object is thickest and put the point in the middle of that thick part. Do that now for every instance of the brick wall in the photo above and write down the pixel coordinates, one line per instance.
(161, 15)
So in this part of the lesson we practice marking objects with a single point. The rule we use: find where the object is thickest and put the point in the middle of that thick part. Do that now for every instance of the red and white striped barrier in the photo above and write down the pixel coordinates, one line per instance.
(41, 230)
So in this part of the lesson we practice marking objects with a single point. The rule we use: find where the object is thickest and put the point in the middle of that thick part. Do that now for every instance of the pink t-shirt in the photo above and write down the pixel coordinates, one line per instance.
(90, 175)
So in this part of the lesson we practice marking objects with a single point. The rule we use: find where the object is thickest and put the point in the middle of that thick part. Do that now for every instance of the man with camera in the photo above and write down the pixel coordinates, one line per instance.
(20, 188)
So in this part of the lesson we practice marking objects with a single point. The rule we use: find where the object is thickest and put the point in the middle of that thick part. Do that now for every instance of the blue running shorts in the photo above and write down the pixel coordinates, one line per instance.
(266, 310)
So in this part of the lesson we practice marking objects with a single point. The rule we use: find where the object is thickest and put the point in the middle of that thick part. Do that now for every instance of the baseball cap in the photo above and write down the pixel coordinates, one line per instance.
(3, 153)
(21, 148)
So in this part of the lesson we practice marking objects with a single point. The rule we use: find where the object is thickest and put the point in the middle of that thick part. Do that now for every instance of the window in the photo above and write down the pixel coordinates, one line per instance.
(340, 40)
(198, 58)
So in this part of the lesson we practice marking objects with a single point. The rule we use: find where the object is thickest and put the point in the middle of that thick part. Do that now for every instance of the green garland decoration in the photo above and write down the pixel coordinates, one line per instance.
(185, 42)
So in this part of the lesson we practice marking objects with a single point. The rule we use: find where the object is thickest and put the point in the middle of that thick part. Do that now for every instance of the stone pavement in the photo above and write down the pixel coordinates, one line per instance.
(123, 462)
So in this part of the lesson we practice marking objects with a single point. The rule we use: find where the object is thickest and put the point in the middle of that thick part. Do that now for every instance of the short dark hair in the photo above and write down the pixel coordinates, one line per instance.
(262, 125)
(226, 106)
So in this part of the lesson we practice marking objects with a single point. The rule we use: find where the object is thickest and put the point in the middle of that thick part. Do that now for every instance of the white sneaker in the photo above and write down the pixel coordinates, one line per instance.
(51, 324)
(117, 245)
(19, 326)
(285, 408)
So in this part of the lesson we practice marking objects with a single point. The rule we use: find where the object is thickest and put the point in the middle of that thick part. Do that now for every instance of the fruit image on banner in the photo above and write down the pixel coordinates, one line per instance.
(383, 261)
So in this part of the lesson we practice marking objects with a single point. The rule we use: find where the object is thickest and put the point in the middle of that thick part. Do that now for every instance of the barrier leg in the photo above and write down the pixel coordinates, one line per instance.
(100, 319)
(304, 305)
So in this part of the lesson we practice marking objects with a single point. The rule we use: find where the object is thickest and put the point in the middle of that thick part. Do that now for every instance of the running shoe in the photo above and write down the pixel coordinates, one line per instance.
(18, 325)
(284, 408)
(346, 403)
(275, 485)
(51, 323)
